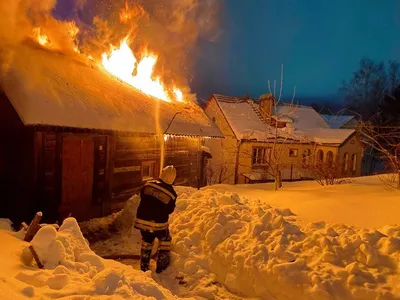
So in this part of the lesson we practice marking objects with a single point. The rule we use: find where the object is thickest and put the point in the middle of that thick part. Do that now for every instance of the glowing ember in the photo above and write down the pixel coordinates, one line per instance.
(41, 37)
(121, 62)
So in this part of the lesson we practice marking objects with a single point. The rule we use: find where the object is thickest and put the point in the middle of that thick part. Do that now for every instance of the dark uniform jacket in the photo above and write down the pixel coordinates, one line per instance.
(157, 202)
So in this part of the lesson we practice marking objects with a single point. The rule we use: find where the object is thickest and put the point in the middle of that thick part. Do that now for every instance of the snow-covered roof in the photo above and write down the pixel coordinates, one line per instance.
(308, 125)
(49, 88)
(242, 118)
(304, 117)
(337, 122)
(327, 135)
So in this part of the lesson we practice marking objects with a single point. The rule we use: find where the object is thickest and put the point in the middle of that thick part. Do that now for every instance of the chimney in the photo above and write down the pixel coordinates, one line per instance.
(290, 127)
(267, 101)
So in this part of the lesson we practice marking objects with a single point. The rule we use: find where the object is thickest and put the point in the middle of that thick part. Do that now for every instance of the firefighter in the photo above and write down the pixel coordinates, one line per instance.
(157, 203)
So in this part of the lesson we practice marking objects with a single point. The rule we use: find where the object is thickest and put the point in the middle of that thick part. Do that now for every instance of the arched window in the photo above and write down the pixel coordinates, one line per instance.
(354, 162)
(320, 157)
(329, 158)
(305, 160)
(346, 162)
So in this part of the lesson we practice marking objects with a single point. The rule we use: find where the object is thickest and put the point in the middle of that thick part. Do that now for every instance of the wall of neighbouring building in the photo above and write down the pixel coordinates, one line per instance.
(293, 167)
(221, 168)
(352, 146)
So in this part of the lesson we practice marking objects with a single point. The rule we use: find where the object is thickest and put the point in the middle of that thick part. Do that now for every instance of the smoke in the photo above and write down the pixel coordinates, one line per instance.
(18, 21)
(11, 22)
(169, 28)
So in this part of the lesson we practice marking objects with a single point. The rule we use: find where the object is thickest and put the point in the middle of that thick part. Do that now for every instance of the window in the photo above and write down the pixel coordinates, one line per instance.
(213, 119)
(346, 162)
(293, 152)
(305, 158)
(320, 157)
(148, 170)
(260, 156)
(354, 162)
(329, 159)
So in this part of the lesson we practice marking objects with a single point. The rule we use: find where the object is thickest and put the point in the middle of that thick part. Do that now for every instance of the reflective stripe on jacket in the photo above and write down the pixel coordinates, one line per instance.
(150, 225)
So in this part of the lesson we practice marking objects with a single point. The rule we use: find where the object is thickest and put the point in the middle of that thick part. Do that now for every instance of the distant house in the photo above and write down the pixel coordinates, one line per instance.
(76, 141)
(305, 139)
(341, 121)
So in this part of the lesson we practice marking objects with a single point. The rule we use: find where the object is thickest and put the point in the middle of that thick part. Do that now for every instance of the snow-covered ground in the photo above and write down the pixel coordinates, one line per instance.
(72, 271)
(364, 202)
(233, 242)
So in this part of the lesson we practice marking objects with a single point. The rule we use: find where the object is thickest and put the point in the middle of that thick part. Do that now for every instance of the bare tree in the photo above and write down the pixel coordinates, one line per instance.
(218, 172)
(385, 140)
(329, 172)
(270, 160)
(279, 138)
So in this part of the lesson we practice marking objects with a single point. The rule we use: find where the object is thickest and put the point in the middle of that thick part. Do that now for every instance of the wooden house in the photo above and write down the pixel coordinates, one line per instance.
(76, 141)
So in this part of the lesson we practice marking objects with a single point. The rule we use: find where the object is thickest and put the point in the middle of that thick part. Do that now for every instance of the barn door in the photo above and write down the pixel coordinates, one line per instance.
(77, 177)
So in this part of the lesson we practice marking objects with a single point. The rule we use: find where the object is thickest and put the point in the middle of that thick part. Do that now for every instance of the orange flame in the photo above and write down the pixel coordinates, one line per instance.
(121, 62)
(41, 37)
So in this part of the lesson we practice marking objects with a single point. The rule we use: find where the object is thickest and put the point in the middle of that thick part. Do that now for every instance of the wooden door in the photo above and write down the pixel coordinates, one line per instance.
(77, 177)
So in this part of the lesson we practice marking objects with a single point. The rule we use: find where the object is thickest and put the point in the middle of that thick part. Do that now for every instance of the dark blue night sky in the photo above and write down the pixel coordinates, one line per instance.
(320, 43)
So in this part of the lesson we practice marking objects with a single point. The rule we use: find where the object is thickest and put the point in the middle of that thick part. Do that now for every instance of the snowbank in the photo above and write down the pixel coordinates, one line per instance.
(362, 202)
(260, 251)
(72, 270)
(5, 224)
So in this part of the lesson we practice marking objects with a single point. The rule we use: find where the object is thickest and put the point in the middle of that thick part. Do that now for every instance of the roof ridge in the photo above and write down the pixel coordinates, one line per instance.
(295, 105)
(230, 99)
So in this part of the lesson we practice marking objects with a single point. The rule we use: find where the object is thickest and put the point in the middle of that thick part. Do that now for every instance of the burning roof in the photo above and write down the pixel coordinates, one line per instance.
(50, 88)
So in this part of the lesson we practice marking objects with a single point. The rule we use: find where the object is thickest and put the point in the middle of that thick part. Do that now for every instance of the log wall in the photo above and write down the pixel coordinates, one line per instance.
(134, 154)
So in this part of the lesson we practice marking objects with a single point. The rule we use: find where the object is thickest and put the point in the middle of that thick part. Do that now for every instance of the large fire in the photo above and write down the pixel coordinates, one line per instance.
(121, 62)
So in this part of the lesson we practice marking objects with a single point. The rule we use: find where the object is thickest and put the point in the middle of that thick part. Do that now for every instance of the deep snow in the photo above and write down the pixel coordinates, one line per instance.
(258, 250)
(229, 242)
(317, 249)
(72, 270)
(363, 202)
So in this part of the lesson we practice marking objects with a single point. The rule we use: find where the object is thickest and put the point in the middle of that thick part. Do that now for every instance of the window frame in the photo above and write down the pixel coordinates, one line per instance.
(305, 158)
(152, 169)
(346, 158)
(330, 159)
(254, 155)
(320, 156)
(296, 152)
(353, 162)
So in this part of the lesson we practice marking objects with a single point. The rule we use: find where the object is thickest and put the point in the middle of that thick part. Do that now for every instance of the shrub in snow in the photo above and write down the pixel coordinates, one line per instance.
(258, 251)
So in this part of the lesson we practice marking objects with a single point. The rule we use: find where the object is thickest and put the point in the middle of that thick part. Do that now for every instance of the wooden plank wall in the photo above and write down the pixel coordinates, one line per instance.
(182, 152)
(49, 172)
(17, 170)
(48, 145)
(130, 152)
